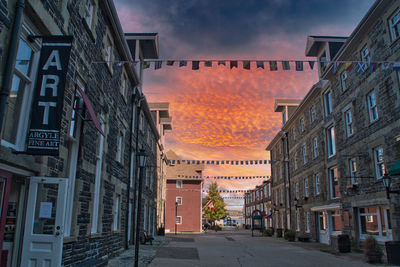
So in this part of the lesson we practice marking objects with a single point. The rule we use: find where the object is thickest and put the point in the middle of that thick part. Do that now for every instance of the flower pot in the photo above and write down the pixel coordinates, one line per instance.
(374, 257)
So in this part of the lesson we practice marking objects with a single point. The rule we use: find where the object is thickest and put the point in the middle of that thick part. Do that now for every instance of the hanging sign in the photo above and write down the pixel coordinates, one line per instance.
(46, 113)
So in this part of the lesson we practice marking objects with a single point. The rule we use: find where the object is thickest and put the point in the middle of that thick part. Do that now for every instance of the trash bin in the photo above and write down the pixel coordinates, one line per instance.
(392, 252)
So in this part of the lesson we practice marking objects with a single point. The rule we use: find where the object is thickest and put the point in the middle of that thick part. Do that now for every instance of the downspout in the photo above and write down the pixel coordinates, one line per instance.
(12, 52)
(287, 165)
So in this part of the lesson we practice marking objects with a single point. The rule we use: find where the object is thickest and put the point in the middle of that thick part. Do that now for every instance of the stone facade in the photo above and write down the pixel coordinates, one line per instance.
(101, 171)
(356, 127)
(259, 198)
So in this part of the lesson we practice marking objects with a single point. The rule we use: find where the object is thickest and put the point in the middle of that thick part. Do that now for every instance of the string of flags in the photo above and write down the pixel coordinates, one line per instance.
(233, 197)
(225, 177)
(230, 191)
(220, 162)
(272, 65)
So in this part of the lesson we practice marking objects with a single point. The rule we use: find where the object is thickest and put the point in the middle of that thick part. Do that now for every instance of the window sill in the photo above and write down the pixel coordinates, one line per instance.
(394, 42)
(69, 239)
(373, 122)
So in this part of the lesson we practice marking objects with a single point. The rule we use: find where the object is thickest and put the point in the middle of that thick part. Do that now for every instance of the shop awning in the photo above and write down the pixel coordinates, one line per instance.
(90, 110)
(333, 206)
(395, 169)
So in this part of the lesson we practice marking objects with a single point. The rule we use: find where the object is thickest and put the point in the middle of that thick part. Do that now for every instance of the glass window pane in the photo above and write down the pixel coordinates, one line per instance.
(45, 210)
(24, 57)
(369, 225)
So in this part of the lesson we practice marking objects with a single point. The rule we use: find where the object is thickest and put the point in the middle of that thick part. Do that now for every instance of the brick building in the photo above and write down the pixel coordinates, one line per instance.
(80, 205)
(183, 208)
(259, 198)
(344, 136)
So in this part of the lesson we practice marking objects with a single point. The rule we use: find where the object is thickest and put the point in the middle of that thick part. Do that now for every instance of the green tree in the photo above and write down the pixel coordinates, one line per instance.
(219, 212)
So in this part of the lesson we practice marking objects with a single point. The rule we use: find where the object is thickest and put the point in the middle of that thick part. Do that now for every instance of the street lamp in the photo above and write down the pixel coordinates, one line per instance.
(142, 163)
(295, 202)
(387, 182)
(176, 215)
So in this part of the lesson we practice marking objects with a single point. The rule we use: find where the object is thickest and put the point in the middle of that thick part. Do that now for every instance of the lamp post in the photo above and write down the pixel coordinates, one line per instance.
(142, 163)
(176, 215)
(387, 182)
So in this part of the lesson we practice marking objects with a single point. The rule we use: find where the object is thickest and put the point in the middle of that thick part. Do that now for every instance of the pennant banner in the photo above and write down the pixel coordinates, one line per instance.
(224, 177)
(220, 162)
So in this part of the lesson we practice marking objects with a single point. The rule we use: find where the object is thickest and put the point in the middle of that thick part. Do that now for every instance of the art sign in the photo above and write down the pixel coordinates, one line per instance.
(46, 113)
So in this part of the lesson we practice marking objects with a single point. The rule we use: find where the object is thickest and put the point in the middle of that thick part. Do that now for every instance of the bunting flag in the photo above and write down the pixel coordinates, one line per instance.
(182, 63)
(273, 66)
(396, 66)
(210, 205)
(361, 66)
(299, 65)
(348, 66)
(170, 62)
(157, 65)
(195, 65)
(221, 63)
(372, 67)
(285, 65)
(146, 65)
(119, 64)
(246, 64)
(311, 63)
(208, 63)
(260, 64)
(335, 66)
(233, 64)
(385, 65)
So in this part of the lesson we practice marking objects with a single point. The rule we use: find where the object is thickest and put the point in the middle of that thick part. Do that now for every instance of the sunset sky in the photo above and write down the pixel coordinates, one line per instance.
(224, 114)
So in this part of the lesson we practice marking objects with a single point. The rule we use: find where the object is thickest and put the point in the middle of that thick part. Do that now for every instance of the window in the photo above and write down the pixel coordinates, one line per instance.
(328, 103)
(330, 138)
(282, 220)
(179, 200)
(108, 51)
(394, 25)
(334, 182)
(287, 197)
(315, 147)
(178, 183)
(336, 221)
(322, 221)
(379, 163)
(294, 134)
(97, 183)
(302, 125)
(288, 221)
(372, 107)
(296, 188)
(281, 196)
(89, 13)
(295, 161)
(307, 215)
(17, 112)
(178, 220)
(120, 147)
(116, 214)
(124, 86)
(365, 55)
(349, 122)
(316, 180)
(353, 170)
(297, 221)
(312, 114)
(374, 220)
(305, 187)
(304, 153)
(343, 79)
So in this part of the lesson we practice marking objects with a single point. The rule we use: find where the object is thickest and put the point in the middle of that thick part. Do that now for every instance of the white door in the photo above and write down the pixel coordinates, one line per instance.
(44, 224)
(324, 228)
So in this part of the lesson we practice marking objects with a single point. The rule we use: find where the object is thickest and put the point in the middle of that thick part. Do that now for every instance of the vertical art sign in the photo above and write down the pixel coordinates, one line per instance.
(44, 131)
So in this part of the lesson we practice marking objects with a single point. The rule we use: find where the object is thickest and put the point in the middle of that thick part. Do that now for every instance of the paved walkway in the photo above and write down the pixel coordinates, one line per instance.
(235, 248)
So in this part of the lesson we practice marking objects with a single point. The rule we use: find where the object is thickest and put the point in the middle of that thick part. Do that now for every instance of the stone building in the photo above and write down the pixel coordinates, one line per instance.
(344, 136)
(183, 206)
(77, 200)
(259, 198)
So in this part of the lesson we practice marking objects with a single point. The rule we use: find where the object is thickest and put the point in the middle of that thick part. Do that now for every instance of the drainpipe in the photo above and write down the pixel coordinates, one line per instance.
(287, 166)
(12, 52)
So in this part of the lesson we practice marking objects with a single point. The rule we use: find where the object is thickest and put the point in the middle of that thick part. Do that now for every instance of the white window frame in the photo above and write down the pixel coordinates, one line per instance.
(365, 54)
(108, 51)
(330, 141)
(372, 106)
(343, 79)
(348, 118)
(306, 187)
(304, 153)
(295, 161)
(89, 15)
(294, 133)
(288, 220)
(328, 102)
(302, 126)
(317, 184)
(26, 104)
(394, 25)
(296, 188)
(178, 221)
(353, 170)
(97, 183)
(119, 154)
(297, 221)
(312, 114)
(331, 216)
(307, 215)
(379, 162)
(116, 213)
(179, 183)
(315, 147)
(380, 236)
(124, 86)
(332, 180)
(178, 200)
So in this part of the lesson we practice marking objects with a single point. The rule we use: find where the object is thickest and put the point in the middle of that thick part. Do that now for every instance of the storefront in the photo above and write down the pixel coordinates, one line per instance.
(329, 222)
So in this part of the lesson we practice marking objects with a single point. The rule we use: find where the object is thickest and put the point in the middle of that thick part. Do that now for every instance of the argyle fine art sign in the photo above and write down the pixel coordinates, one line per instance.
(44, 131)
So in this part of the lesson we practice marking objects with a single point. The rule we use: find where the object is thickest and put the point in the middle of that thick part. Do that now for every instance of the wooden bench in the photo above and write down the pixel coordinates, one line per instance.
(304, 238)
(146, 238)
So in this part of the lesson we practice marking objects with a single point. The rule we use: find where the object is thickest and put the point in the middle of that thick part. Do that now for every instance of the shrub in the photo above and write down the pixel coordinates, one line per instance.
(267, 232)
(290, 235)
(372, 250)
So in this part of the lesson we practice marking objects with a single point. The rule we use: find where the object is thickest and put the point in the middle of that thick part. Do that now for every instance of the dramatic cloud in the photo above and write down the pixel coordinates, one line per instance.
(225, 114)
